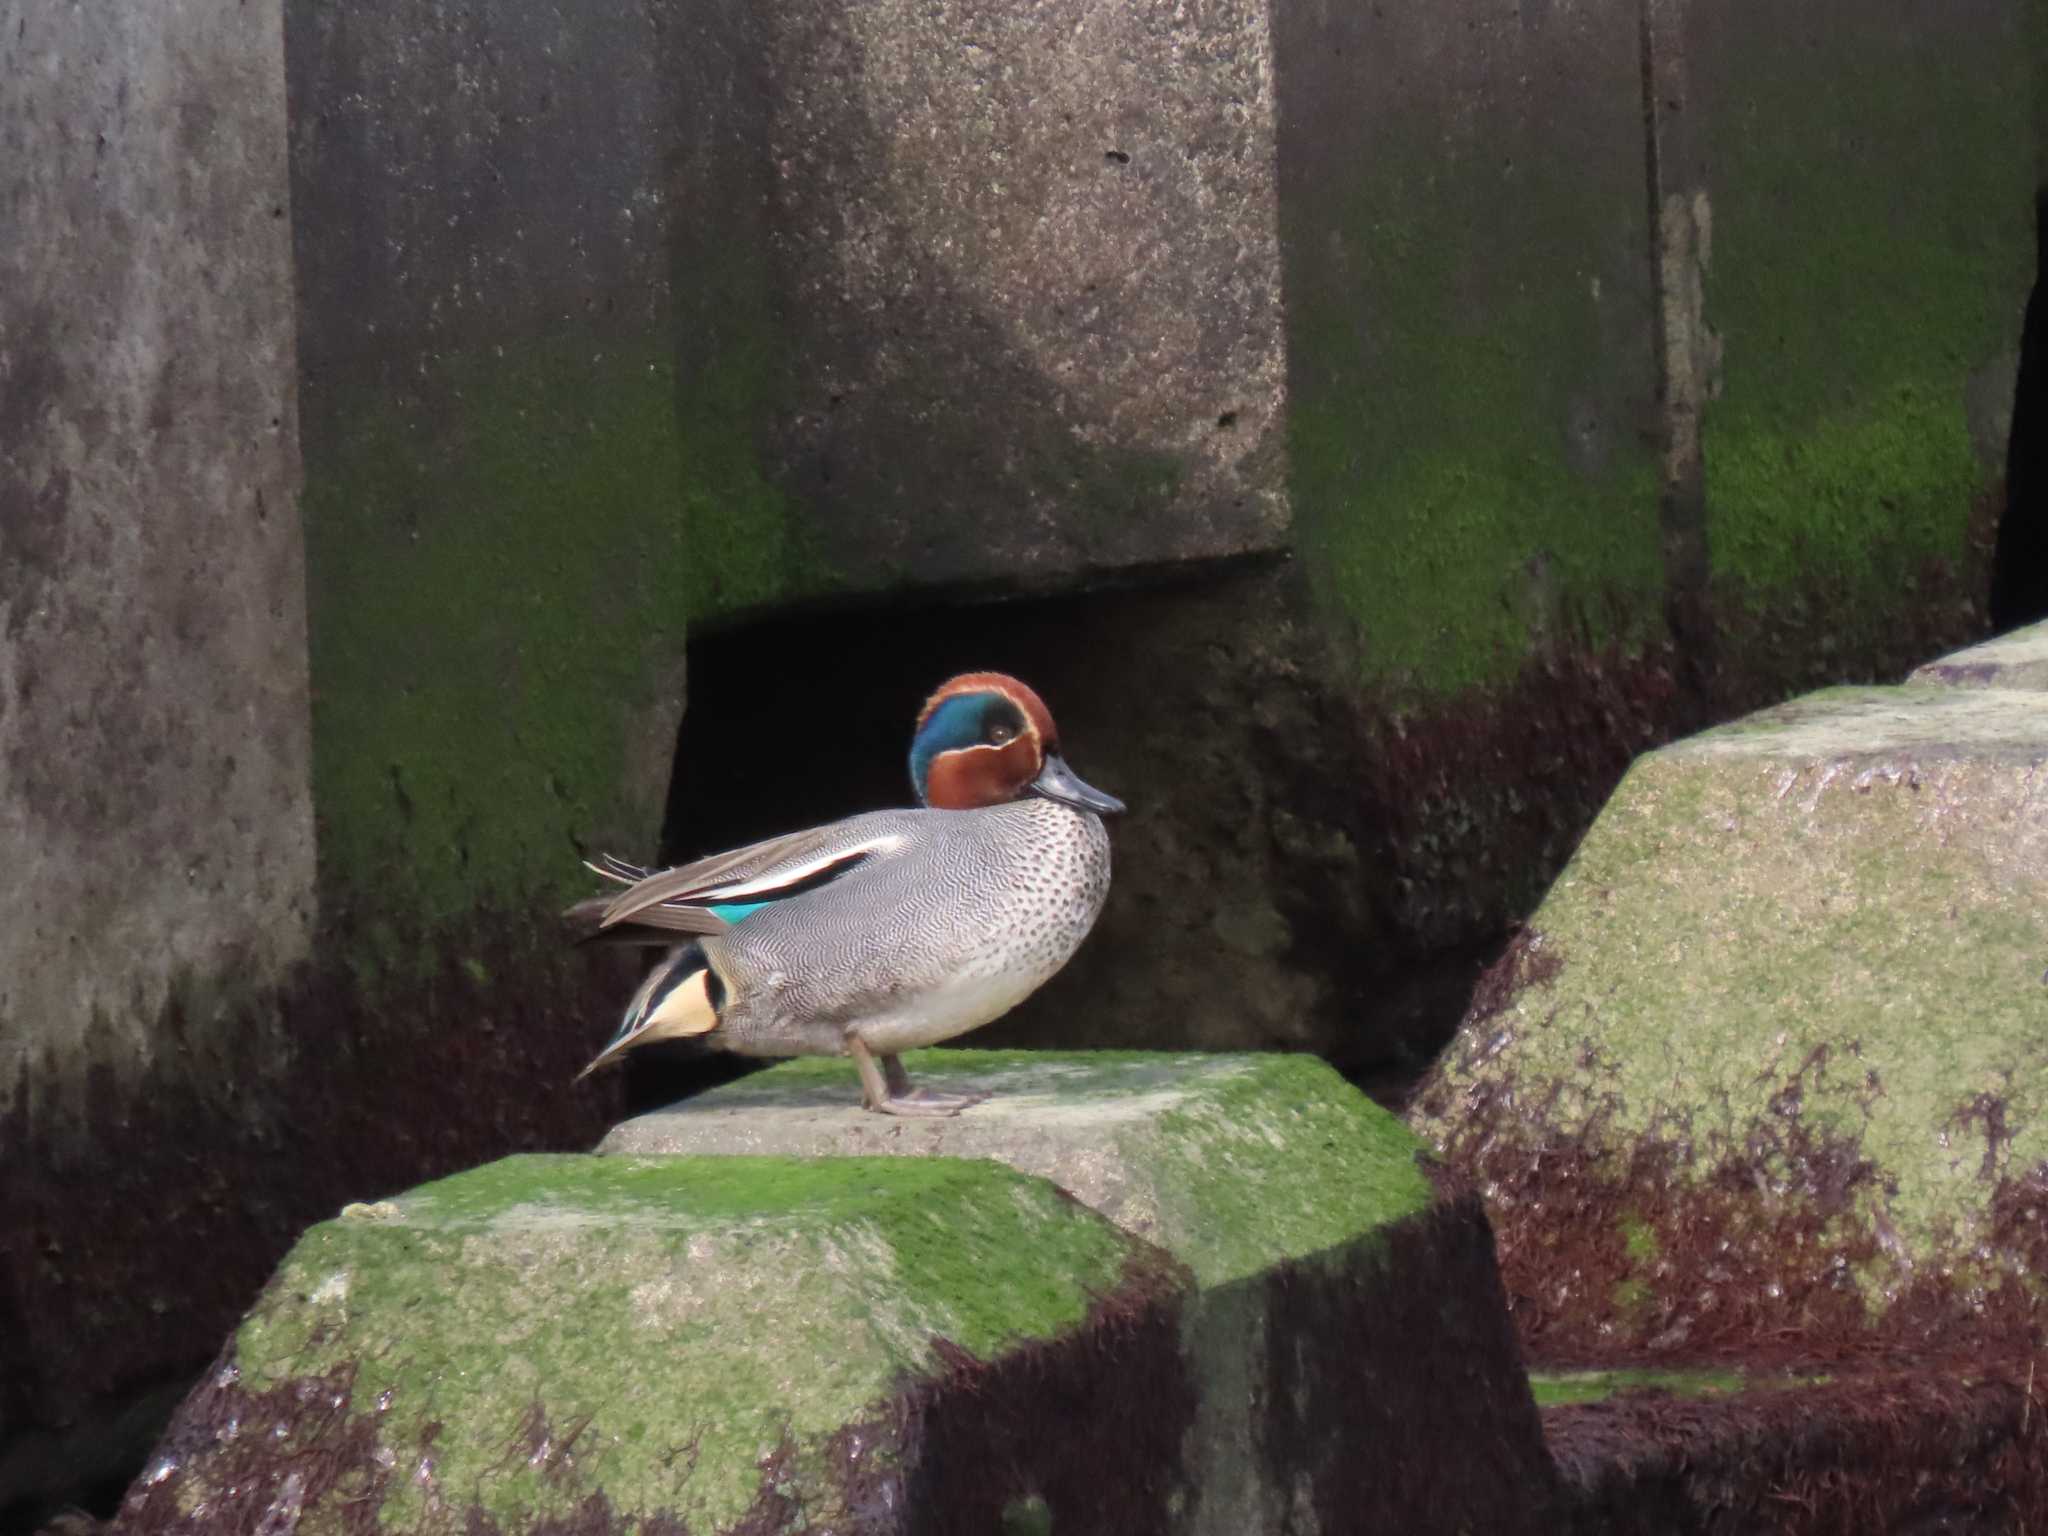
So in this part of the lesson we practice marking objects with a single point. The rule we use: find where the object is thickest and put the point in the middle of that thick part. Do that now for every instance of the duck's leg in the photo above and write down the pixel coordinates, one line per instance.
(885, 1087)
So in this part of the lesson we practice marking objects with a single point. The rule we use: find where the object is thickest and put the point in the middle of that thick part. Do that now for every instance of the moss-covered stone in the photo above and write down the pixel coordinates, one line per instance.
(1778, 1027)
(1234, 1164)
(499, 588)
(1307, 1222)
(689, 1338)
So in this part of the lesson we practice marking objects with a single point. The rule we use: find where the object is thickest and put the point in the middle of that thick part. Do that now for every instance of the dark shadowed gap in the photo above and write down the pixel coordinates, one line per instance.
(2019, 565)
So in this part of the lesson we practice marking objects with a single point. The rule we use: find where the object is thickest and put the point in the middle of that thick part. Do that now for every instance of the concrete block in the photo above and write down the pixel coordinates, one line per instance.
(155, 818)
(482, 206)
(712, 1345)
(1026, 292)
(2015, 660)
(1345, 1323)
(156, 826)
(1850, 189)
(1768, 1059)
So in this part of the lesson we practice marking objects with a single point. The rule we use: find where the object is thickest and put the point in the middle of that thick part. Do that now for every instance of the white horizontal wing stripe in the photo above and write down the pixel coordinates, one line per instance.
(770, 881)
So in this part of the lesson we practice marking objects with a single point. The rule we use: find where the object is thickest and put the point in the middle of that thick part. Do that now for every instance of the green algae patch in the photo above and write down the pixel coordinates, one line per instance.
(1554, 1387)
(1470, 483)
(1866, 278)
(675, 1334)
(1232, 1163)
(498, 587)
(1781, 1065)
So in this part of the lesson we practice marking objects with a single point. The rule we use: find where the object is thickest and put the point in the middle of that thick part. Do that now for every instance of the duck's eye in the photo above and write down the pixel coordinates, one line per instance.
(999, 733)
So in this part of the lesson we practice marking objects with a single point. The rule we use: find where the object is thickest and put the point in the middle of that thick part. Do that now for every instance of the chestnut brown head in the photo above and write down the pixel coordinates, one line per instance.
(984, 738)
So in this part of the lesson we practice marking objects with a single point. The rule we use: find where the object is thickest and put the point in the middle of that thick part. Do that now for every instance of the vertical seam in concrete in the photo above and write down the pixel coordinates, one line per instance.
(1685, 356)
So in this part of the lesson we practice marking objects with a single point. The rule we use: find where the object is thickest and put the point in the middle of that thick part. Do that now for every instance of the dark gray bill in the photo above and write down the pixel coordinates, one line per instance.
(1056, 781)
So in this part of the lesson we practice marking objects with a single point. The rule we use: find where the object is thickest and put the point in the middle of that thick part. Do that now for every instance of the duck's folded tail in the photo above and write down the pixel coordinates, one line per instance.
(587, 919)
(680, 999)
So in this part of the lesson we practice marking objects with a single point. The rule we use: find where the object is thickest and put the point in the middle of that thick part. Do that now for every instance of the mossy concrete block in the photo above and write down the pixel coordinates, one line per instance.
(1347, 1325)
(496, 466)
(728, 1344)
(2015, 660)
(1772, 1050)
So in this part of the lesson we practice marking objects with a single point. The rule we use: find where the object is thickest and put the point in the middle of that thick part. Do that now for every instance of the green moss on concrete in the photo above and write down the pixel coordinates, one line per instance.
(1555, 1387)
(498, 588)
(1280, 1161)
(1235, 1164)
(659, 1328)
(1791, 949)
(1866, 263)
(502, 561)
(1435, 391)
(747, 545)
(1639, 1239)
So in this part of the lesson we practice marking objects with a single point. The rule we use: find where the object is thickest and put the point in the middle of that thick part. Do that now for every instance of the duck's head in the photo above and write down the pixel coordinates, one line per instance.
(985, 739)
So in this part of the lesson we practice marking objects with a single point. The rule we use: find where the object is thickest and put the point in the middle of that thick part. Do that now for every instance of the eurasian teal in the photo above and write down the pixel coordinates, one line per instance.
(885, 931)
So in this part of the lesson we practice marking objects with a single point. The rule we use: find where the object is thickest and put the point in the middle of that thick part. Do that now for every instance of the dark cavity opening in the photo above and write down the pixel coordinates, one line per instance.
(2019, 564)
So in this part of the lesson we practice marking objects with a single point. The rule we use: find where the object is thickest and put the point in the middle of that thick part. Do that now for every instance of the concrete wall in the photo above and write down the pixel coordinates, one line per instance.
(155, 822)
(1027, 276)
(1630, 364)
(154, 817)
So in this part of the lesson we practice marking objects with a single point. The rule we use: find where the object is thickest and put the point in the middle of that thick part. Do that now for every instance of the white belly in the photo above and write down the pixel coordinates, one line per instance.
(938, 1015)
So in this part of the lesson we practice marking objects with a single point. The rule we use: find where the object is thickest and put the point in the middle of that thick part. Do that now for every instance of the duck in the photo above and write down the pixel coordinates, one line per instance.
(889, 930)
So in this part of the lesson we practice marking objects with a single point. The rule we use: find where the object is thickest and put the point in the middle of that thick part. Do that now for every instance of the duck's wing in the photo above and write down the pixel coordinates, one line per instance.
(684, 900)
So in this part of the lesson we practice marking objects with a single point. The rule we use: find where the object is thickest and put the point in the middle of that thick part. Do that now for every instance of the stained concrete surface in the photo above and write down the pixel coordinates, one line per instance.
(155, 820)
(1027, 262)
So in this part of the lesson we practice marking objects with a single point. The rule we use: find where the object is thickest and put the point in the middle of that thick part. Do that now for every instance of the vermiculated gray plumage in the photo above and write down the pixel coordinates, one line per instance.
(961, 918)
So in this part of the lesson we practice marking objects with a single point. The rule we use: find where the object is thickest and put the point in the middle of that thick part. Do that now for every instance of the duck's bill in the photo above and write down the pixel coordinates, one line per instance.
(1056, 781)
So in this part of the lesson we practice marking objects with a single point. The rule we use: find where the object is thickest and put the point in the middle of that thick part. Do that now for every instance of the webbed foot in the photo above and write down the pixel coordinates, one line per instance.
(922, 1103)
(885, 1088)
